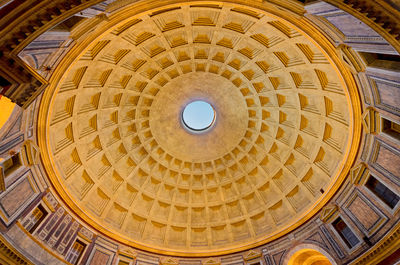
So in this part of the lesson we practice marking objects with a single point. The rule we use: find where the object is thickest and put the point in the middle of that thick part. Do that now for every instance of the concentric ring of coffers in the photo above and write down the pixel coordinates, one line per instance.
(278, 145)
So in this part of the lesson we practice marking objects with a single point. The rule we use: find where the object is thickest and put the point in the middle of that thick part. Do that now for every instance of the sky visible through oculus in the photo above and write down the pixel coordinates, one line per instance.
(198, 115)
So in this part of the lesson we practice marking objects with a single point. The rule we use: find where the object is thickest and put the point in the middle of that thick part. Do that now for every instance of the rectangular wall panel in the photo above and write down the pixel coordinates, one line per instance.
(386, 159)
(100, 258)
(364, 213)
(17, 197)
(103, 252)
(386, 94)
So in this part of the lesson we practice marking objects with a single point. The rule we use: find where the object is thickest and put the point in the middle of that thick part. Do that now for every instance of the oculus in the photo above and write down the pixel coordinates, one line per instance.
(198, 116)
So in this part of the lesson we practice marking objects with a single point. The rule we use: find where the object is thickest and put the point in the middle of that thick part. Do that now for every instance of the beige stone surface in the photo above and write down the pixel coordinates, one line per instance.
(279, 141)
(229, 128)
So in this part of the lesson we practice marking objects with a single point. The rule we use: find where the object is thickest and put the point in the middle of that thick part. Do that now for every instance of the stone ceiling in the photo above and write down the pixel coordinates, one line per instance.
(124, 162)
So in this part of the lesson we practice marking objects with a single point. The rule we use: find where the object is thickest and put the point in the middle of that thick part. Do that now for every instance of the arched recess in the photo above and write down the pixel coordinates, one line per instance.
(308, 254)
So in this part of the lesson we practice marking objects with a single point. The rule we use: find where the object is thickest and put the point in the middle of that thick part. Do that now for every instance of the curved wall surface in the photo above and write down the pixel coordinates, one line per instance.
(303, 166)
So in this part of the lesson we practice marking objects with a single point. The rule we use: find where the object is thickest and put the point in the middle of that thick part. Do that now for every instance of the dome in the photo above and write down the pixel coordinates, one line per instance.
(283, 140)
(221, 132)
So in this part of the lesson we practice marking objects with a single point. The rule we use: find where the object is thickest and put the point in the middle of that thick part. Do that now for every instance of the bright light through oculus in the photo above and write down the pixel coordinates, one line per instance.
(198, 116)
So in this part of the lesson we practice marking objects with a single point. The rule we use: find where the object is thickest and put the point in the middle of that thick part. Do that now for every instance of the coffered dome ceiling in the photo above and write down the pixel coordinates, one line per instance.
(120, 157)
